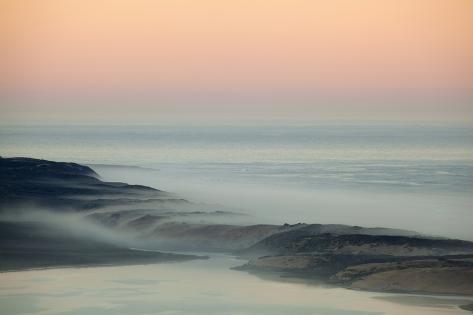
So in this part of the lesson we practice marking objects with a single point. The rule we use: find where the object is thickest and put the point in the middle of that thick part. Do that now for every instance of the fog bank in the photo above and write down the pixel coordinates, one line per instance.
(435, 214)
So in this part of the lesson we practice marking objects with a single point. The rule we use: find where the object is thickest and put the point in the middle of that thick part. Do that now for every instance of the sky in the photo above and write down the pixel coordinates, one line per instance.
(145, 59)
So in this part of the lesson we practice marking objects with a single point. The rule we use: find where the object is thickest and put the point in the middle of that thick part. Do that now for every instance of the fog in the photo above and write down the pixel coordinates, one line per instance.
(225, 199)
(440, 214)
(126, 226)
(68, 224)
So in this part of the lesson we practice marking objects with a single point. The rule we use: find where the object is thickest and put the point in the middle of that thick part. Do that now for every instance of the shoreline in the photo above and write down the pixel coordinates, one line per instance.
(295, 277)
(278, 276)
(271, 275)
(81, 266)
(267, 275)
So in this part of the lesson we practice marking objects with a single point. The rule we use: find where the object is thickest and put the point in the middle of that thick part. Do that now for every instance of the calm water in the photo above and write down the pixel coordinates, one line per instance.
(191, 288)
(416, 177)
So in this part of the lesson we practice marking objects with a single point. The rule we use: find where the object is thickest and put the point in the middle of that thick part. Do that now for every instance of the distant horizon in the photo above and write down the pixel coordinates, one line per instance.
(57, 114)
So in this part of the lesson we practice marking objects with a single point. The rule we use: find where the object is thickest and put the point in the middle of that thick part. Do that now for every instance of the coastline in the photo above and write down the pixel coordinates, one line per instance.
(80, 266)
(437, 301)
(331, 255)
(310, 280)
(117, 257)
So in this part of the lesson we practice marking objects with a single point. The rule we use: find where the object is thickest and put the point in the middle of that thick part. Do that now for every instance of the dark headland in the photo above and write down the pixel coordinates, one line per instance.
(34, 192)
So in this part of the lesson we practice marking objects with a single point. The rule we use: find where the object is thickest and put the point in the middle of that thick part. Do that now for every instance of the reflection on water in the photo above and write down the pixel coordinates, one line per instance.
(195, 287)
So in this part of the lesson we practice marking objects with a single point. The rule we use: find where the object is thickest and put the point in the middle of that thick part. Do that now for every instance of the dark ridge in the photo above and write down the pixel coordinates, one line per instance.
(325, 266)
(21, 168)
(60, 184)
(297, 242)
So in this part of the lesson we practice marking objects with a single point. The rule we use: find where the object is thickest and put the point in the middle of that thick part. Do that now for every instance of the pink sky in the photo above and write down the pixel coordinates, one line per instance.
(367, 56)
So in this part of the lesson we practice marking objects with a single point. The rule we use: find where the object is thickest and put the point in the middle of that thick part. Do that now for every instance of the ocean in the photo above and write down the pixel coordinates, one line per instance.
(411, 176)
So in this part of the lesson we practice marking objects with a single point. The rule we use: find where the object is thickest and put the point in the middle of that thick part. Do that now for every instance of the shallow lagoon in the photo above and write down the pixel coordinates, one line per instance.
(194, 287)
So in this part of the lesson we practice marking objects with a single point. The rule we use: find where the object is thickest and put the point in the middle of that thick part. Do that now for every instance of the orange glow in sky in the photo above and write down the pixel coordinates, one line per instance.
(245, 52)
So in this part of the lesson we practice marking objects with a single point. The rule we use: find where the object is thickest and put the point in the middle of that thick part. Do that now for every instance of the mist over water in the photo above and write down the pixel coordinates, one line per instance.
(417, 177)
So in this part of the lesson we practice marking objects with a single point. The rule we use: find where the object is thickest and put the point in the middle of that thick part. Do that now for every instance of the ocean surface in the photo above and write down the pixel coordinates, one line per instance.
(412, 176)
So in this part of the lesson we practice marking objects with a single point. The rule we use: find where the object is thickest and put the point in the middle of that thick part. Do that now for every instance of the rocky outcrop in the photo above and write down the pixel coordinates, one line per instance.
(298, 242)
(394, 263)
(437, 276)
